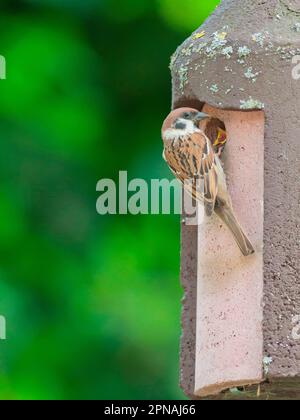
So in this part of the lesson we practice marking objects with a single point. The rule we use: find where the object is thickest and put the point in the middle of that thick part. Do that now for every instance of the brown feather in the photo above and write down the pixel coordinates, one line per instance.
(186, 157)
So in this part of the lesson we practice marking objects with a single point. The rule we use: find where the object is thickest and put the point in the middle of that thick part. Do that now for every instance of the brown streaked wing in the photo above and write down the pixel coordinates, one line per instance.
(173, 162)
(194, 161)
(207, 169)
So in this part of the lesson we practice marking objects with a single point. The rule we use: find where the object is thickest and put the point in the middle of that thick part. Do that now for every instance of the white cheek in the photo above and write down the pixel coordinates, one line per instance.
(170, 134)
(190, 126)
(174, 133)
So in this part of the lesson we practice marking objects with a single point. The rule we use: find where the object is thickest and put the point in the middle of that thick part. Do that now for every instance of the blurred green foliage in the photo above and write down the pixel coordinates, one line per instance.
(92, 303)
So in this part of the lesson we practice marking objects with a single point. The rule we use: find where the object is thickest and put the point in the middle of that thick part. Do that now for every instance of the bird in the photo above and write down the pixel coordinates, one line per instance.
(193, 158)
(215, 130)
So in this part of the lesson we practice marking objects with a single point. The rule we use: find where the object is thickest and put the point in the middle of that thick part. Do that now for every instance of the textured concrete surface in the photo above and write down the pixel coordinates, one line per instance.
(229, 350)
(248, 66)
(189, 282)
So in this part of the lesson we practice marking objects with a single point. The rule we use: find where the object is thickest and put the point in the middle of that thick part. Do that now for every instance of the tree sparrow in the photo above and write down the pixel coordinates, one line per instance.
(194, 160)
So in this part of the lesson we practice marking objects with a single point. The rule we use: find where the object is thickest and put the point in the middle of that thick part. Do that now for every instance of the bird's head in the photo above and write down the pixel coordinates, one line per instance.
(189, 119)
(183, 121)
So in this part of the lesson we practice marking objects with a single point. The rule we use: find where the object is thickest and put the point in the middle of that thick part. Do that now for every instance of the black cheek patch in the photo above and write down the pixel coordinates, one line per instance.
(180, 126)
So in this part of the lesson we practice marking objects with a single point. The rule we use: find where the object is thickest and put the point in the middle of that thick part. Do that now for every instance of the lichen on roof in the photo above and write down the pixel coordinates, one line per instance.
(198, 35)
(187, 51)
(250, 75)
(227, 51)
(173, 59)
(251, 103)
(259, 38)
(214, 88)
(244, 51)
(183, 76)
(297, 27)
(198, 48)
(219, 41)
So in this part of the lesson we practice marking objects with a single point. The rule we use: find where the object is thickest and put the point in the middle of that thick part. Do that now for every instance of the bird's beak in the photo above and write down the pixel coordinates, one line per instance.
(200, 116)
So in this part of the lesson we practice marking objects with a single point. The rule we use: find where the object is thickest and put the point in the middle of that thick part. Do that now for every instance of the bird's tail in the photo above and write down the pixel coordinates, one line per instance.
(226, 214)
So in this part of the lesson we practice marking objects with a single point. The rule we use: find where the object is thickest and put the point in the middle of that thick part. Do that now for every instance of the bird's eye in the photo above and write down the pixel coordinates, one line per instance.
(186, 115)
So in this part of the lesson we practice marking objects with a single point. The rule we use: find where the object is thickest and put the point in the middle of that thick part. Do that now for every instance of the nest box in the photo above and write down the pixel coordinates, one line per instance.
(241, 316)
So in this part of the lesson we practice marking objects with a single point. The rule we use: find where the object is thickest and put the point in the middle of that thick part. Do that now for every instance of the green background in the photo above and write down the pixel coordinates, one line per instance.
(92, 303)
